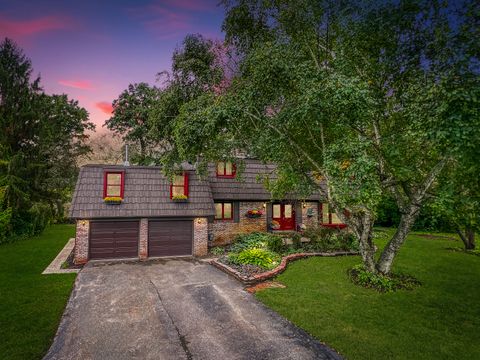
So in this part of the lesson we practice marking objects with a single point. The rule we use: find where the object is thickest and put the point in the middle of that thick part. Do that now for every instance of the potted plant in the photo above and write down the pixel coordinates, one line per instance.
(113, 200)
(180, 198)
(254, 214)
(275, 225)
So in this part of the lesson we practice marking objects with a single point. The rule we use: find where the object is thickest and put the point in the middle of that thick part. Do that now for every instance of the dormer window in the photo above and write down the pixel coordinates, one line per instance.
(113, 184)
(179, 186)
(226, 169)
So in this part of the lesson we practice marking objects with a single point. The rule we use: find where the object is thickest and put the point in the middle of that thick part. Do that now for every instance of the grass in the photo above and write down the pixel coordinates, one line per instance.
(31, 304)
(438, 320)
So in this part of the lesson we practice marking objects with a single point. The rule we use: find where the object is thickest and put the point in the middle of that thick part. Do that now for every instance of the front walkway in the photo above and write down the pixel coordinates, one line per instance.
(173, 309)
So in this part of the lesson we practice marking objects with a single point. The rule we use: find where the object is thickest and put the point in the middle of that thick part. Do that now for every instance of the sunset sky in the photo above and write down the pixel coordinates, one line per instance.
(92, 50)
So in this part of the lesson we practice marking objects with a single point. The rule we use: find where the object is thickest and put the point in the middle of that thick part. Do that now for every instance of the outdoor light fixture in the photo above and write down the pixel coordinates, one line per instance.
(264, 205)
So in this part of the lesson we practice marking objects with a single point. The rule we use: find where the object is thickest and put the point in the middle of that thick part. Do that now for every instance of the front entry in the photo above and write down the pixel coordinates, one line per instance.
(284, 214)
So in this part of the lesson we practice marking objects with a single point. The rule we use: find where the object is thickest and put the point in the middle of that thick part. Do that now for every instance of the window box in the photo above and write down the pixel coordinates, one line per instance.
(179, 198)
(252, 214)
(113, 200)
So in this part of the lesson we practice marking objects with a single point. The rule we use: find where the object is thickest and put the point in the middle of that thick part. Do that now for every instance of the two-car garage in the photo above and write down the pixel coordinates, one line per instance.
(120, 239)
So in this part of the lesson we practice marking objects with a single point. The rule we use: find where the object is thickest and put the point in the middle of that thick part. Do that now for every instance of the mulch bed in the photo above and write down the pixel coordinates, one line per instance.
(250, 276)
(69, 264)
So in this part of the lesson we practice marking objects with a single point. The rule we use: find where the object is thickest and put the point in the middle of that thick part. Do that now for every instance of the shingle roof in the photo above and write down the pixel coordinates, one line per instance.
(147, 194)
(250, 187)
(147, 191)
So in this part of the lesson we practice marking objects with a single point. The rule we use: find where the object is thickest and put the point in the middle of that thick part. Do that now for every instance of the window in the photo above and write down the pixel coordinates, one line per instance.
(330, 218)
(113, 184)
(223, 211)
(179, 185)
(226, 169)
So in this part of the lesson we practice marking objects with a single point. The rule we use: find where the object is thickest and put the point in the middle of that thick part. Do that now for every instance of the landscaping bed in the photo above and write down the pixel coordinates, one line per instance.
(256, 257)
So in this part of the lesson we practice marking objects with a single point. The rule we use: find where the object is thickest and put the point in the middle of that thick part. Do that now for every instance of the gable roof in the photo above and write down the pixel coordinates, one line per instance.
(146, 194)
(147, 191)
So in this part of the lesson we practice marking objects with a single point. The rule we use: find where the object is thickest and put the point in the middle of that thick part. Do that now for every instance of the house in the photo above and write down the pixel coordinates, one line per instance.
(137, 212)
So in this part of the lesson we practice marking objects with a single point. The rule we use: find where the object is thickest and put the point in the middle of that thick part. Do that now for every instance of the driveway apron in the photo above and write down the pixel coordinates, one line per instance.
(173, 309)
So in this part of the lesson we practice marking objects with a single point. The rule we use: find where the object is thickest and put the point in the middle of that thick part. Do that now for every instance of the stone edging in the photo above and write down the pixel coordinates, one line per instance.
(249, 280)
(55, 266)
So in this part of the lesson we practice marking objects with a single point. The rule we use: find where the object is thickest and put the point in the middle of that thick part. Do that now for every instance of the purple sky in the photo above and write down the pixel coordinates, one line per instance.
(92, 50)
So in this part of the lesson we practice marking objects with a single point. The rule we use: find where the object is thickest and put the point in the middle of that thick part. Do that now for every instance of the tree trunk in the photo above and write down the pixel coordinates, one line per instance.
(407, 220)
(362, 227)
(468, 237)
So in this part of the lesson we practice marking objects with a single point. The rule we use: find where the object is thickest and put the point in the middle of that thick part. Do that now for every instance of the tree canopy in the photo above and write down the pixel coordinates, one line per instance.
(41, 139)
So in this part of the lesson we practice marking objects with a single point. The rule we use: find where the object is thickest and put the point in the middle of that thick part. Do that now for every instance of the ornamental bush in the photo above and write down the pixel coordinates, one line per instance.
(257, 240)
(380, 282)
(259, 257)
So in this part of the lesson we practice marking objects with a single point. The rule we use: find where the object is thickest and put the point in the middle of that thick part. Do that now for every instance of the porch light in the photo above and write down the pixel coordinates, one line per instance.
(264, 205)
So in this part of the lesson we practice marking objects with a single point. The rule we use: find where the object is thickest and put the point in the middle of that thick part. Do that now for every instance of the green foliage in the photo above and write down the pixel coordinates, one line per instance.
(380, 282)
(275, 244)
(5, 224)
(217, 250)
(255, 256)
(252, 240)
(324, 239)
(131, 111)
(41, 139)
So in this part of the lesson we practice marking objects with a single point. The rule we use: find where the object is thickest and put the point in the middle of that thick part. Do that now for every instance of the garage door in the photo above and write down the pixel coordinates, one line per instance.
(113, 239)
(170, 238)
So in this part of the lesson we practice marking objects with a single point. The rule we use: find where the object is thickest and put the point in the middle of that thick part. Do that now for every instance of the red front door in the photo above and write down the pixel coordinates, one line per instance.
(285, 215)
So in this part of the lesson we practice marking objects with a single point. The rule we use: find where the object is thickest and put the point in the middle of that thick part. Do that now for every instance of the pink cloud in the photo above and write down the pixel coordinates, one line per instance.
(162, 21)
(105, 106)
(77, 84)
(16, 28)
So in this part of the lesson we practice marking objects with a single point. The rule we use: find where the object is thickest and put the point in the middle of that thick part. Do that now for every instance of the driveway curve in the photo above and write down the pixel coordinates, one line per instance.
(173, 309)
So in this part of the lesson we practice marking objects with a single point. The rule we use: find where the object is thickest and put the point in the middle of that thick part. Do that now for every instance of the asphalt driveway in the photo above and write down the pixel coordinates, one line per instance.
(173, 309)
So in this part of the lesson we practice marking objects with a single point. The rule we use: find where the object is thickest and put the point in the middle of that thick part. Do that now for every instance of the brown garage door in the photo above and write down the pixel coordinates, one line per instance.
(170, 238)
(113, 239)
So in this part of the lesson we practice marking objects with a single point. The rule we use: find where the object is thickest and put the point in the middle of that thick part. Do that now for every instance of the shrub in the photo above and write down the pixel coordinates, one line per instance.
(382, 283)
(297, 240)
(5, 224)
(331, 239)
(217, 250)
(259, 257)
(275, 244)
(254, 240)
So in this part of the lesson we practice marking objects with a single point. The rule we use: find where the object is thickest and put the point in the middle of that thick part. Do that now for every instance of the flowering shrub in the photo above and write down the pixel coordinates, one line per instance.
(275, 225)
(254, 213)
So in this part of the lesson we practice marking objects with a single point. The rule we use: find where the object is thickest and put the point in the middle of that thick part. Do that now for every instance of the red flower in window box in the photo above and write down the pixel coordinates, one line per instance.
(254, 214)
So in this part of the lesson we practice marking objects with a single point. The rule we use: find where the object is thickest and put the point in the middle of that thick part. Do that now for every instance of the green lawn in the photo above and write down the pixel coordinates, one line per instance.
(439, 320)
(31, 304)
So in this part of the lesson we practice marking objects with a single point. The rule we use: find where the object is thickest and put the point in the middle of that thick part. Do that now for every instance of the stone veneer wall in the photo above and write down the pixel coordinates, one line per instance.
(224, 231)
(313, 220)
(81, 242)
(143, 239)
(200, 236)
